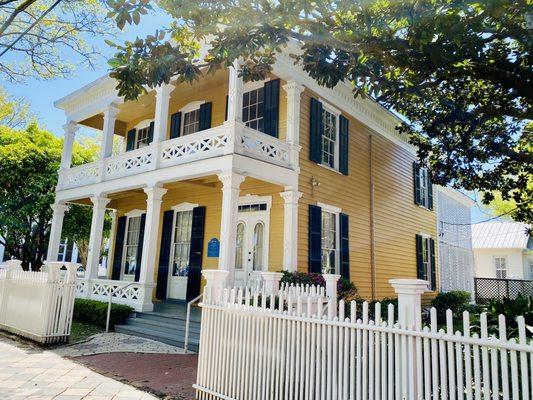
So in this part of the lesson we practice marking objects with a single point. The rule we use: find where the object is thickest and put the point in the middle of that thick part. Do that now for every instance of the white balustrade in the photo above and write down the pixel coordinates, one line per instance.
(37, 305)
(214, 142)
(136, 295)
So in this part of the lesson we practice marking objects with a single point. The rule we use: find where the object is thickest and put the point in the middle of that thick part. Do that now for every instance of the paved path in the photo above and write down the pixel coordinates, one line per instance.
(27, 372)
(117, 343)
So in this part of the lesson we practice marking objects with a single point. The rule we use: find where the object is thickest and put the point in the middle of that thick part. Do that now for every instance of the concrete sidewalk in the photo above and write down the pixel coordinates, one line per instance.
(28, 372)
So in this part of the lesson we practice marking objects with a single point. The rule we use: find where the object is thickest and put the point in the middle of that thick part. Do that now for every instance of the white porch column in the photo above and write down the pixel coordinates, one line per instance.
(55, 230)
(293, 90)
(290, 229)
(95, 240)
(153, 218)
(162, 100)
(235, 92)
(70, 129)
(108, 132)
(231, 183)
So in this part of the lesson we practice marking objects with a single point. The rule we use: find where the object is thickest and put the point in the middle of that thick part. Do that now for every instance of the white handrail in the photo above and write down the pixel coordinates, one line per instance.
(111, 293)
(189, 304)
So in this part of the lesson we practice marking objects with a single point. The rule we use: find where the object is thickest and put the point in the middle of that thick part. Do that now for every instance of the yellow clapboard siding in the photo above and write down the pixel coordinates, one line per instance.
(396, 218)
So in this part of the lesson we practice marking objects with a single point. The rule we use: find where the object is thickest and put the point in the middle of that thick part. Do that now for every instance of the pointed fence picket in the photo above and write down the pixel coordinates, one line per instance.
(302, 345)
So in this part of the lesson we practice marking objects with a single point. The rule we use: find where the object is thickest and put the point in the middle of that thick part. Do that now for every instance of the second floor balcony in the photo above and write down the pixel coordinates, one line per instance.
(177, 124)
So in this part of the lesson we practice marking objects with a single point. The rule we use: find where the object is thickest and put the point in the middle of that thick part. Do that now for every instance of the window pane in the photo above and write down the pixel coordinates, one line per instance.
(329, 138)
(132, 243)
(252, 109)
(329, 242)
(182, 243)
(142, 138)
(191, 122)
(240, 246)
(258, 247)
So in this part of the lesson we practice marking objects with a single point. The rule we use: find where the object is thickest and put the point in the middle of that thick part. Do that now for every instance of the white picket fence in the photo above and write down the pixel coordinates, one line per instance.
(293, 346)
(37, 305)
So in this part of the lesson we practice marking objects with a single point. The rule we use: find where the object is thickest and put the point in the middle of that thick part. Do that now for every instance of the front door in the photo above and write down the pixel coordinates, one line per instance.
(252, 245)
(180, 255)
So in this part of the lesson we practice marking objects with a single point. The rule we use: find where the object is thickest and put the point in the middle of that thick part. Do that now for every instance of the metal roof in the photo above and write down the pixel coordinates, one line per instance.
(499, 235)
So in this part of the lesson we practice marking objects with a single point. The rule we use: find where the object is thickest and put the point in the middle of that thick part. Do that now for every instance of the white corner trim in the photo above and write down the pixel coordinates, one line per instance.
(255, 199)
(134, 213)
(249, 86)
(193, 105)
(329, 208)
(145, 123)
(185, 206)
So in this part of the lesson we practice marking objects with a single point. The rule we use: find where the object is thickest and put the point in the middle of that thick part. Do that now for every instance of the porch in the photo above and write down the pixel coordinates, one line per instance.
(164, 235)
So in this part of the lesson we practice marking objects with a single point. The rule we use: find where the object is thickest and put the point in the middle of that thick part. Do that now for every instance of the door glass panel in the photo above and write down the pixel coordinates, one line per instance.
(182, 243)
(240, 246)
(132, 242)
(258, 247)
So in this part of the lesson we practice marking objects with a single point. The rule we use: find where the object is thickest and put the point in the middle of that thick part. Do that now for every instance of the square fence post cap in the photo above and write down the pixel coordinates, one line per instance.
(271, 276)
(14, 265)
(215, 275)
(409, 286)
(331, 277)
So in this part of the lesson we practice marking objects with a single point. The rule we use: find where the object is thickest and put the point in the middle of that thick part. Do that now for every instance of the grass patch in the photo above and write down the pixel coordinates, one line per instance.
(81, 331)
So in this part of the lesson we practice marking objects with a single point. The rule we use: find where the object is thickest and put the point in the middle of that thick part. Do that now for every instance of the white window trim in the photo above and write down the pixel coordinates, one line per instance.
(183, 207)
(251, 199)
(249, 86)
(426, 236)
(336, 157)
(424, 199)
(192, 106)
(337, 212)
(135, 213)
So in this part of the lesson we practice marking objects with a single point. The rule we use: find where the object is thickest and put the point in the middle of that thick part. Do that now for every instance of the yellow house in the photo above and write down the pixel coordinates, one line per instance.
(256, 176)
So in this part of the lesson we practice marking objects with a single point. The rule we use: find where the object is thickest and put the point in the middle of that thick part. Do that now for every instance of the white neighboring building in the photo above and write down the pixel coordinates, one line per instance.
(502, 250)
(455, 240)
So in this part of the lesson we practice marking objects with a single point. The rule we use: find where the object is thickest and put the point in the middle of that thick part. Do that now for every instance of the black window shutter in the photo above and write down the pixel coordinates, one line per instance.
(315, 130)
(164, 255)
(420, 273)
(151, 132)
(226, 112)
(175, 125)
(271, 107)
(430, 192)
(196, 253)
(433, 264)
(345, 245)
(68, 253)
(140, 248)
(119, 247)
(343, 144)
(416, 178)
(315, 239)
(205, 116)
(130, 140)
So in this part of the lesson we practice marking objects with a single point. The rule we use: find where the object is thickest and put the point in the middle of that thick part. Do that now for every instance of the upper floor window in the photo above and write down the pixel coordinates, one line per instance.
(423, 187)
(330, 142)
(191, 122)
(500, 265)
(194, 117)
(140, 136)
(252, 109)
(329, 136)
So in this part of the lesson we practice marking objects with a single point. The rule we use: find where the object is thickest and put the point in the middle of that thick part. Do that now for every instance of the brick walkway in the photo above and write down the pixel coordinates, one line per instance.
(27, 372)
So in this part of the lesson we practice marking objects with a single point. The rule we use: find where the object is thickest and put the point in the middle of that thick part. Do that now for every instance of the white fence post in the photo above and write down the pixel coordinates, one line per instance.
(215, 284)
(331, 289)
(409, 293)
(271, 282)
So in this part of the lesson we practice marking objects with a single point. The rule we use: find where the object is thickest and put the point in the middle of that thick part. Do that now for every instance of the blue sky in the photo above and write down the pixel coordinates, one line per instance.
(42, 94)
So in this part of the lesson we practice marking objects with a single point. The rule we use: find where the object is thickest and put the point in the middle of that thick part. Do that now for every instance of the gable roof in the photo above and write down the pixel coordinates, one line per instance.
(499, 235)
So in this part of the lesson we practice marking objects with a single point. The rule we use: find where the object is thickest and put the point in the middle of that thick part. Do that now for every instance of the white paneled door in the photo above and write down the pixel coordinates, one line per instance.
(252, 243)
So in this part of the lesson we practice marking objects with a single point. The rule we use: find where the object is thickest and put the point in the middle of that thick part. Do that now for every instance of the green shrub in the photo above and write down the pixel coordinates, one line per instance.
(95, 312)
(511, 309)
(345, 288)
(455, 300)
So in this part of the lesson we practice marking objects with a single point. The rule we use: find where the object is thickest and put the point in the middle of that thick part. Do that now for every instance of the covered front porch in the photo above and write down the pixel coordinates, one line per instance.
(164, 234)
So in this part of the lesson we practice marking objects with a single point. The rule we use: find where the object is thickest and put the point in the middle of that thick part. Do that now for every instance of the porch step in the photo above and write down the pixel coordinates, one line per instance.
(165, 324)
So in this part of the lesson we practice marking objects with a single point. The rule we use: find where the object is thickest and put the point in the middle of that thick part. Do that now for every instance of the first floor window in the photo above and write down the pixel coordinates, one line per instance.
(62, 250)
(329, 242)
(252, 109)
(426, 258)
(329, 138)
(191, 122)
(426, 268)
(501, 267)
(182, 243)
(131, 246)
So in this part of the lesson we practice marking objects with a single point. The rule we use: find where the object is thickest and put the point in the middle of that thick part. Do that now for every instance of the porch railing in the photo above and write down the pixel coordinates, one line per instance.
(494, 288)
(206, 144)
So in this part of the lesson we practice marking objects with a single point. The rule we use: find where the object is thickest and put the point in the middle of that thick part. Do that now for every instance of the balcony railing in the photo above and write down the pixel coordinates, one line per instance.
(210, 143)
